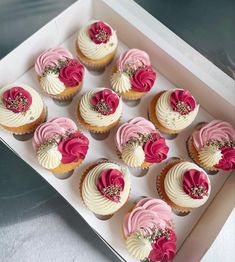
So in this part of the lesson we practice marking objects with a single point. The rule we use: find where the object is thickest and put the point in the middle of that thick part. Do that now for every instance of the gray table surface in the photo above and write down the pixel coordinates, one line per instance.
(36, 223)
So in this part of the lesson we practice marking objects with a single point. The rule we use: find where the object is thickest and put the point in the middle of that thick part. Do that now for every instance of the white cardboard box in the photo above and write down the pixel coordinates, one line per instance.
(178, 64)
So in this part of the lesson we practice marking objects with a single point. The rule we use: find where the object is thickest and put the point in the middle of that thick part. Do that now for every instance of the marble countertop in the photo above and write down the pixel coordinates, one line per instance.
(36, 223)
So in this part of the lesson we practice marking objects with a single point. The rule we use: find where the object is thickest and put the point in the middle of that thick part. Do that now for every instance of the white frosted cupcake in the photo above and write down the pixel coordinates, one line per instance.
(96, 45)
(172, 111)
(105, 188)
(21, 109)
(99, 110)
(183, 185)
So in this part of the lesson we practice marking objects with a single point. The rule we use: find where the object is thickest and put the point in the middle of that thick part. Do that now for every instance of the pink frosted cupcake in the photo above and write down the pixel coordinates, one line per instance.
(148, 231)
(139, 144)
(60, 146)
(59, 74)
(212, 146)
(133, 75)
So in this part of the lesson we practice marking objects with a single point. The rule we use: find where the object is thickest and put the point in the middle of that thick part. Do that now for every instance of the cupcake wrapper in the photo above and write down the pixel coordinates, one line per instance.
(86, 171)
(144, 166)
(96, 66)
(161, 190)
(29, 131)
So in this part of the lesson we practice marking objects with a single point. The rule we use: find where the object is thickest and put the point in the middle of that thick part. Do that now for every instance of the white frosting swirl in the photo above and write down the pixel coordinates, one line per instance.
(173, 184)
(52, 84)
(120, 82)
(49, 157)
(11, 119)
(169, 118)
(93, 117)
(133, 155)
(92, 50)
(92, 197)
(210, 155)
(138, 246)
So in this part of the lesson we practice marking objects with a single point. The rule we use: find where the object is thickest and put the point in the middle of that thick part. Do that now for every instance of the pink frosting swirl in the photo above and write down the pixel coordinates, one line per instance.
(155, 149)
(73, 148)
(110, 184)
(164, 248)
(72, 74)
(216, 130)
(195, 183)
(17, 99)
(148, 213)
(143, 79)
(99, 32)
(132, 58)
(132, 129)
(182, 101)
(105, 101)
(56, 126)
(228, 159)
(51, 57)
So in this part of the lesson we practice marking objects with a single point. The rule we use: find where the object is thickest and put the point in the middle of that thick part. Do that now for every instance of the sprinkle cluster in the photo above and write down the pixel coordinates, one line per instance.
(220, 144)
(102, 107)
(182, 108)
(113, 192)
(56, 68)
(142, 139)
(154, 234)
(198, 191)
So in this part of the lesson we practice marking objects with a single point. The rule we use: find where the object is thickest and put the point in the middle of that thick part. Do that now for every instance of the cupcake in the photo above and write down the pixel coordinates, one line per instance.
(148, 231)
(173, 110)
(59, 74)
(183, 185)
(21, 109)
(60, 146)
(133, 75)
(96, 45)
(139, 144)
(99, 110)
(212, 146)
(105, 188)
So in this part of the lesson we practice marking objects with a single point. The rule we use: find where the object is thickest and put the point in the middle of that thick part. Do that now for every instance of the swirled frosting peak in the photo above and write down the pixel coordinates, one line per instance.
(99, 32)
(110, 184)
(17, 99)
(195, 183)
(105, 102)
(182, 101)
(51, 58)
